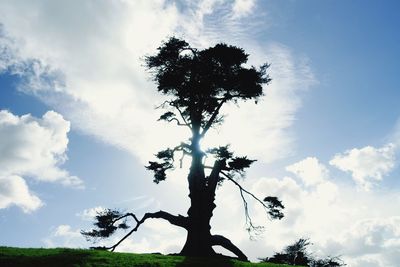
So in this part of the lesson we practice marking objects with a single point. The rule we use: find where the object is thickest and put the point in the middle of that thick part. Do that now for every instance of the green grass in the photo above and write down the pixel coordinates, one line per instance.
(63, 257)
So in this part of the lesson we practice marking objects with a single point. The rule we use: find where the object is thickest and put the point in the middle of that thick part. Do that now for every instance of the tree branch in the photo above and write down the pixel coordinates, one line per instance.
(213, 116)
(244, 190)
(181, 113)
(179, 220)
(214, 175)
(178, 122)
(219, 240)
(249, 222)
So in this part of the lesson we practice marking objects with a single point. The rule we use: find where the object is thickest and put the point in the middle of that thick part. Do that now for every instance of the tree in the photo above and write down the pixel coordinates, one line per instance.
(197, 83)
(297, 254)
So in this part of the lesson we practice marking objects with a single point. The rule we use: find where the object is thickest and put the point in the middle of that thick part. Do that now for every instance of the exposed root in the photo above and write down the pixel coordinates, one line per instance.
(219, 240)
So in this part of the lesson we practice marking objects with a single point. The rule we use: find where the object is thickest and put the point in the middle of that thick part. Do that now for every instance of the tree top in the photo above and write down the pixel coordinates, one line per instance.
(199, 82)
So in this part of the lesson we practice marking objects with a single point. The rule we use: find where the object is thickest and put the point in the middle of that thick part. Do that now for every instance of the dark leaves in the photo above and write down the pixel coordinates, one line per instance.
(166, 158)
(240, 163)
(166, 155)
(275, 207)
(104, 223)
(167, 116)
(297, 254)
(159, 170)
(198, 80)
(221, 153)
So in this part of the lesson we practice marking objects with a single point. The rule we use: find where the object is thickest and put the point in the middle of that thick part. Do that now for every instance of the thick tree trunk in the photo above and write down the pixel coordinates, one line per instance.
(198, 241)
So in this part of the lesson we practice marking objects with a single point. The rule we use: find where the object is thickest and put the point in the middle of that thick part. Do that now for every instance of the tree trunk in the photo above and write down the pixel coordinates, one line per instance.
(198, 241)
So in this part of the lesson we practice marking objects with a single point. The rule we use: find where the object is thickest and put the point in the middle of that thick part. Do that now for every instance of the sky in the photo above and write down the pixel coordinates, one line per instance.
(78, 122)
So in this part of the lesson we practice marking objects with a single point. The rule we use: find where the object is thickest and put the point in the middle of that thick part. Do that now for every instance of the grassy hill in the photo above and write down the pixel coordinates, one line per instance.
(63, 257)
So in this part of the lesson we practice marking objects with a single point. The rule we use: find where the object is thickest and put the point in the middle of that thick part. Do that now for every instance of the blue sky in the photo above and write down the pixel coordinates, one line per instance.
(326, 135)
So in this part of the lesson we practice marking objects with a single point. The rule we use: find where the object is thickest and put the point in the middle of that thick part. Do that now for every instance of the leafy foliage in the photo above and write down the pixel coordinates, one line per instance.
(167, 116)
(297, 254)
(199, 81)
(238, 164)
(159, 168)
(105, 223)
(275, 207)
(221, 153)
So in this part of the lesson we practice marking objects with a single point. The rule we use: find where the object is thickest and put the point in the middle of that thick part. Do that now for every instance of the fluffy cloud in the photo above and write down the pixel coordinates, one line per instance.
(32, 147)
(94, 76)
(310, 171)
(14, 191)
(242, 7)
(35, 147)
(64, 236)
(327, 213)
(370, 242)
(367, 165)
(90, 214)
(263, 130)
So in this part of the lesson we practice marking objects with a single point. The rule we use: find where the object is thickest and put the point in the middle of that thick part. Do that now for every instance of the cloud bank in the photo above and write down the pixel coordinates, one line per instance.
(34, 148)
(90, 69)
(367, 165)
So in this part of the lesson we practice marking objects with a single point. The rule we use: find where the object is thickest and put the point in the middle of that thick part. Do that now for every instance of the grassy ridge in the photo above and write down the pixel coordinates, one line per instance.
(63, 257)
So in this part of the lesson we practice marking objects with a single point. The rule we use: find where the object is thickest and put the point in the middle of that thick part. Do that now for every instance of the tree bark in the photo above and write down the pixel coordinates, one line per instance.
(198, 241)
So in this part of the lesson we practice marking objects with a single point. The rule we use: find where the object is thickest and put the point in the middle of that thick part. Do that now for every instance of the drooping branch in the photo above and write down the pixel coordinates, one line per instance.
(271, 205)
(257, 229)
(219, 240)
(179, 220)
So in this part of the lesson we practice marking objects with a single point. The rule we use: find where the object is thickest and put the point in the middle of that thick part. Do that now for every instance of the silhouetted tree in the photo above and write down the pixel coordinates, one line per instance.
(197, 84)
(297, 254)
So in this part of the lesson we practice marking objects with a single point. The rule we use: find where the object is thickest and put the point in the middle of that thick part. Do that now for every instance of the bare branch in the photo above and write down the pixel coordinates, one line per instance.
(268, 209)
(244, 190)
(178, 122)
(256, 229)
(162, 105)
(184, 153)
(179, 220)
(181, 113)
(213, 116)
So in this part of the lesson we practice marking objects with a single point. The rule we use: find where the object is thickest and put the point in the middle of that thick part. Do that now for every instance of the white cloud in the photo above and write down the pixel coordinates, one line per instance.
(15, 191)
(90, 214)
(367, 165)
(65, 236)
(83, 59)
(263, 130)
(326, 213)
(98, 83)
(35, 147)
(32, 147)
(243, 7)
(89, 69)
(155, 236)
(370, 242)
(310, 171)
